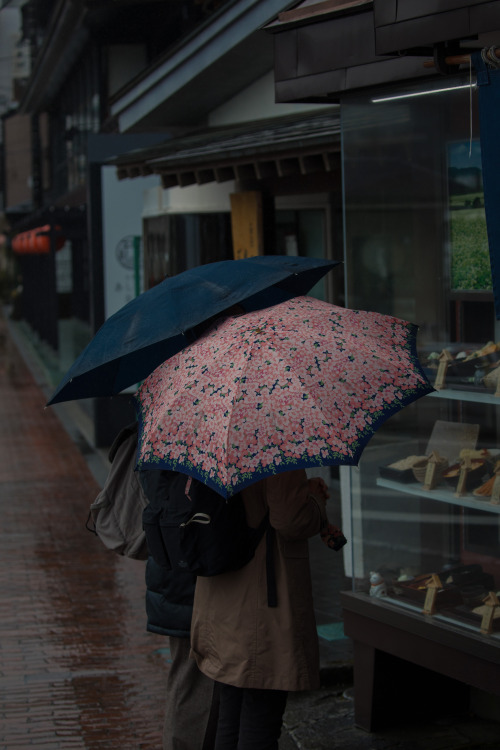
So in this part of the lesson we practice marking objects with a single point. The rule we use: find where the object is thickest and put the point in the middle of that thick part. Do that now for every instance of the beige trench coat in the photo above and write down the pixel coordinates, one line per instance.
(235, 637)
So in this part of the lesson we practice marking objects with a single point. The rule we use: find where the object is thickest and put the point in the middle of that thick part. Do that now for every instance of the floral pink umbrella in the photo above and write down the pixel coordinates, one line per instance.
(302, 383)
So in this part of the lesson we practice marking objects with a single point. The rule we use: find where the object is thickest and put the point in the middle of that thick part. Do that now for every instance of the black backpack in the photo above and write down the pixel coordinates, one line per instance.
(190, 527)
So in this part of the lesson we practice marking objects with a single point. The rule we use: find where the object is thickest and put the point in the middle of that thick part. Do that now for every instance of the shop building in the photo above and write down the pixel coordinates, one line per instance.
(104, 79)
(416, 246)
(248, 169)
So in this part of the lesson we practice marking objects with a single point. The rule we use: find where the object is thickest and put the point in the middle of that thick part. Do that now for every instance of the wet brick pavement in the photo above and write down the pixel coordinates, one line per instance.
(77, 667)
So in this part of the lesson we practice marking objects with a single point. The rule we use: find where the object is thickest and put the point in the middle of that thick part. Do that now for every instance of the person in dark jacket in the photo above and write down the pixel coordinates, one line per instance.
(192, 706)
(191, 709)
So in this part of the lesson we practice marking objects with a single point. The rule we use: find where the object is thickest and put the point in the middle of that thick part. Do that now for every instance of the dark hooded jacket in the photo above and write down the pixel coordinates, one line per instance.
(169, 594)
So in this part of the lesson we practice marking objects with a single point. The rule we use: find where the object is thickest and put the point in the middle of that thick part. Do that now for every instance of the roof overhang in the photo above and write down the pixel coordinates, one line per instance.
(326, 48)
(253, 151)
(202, 73)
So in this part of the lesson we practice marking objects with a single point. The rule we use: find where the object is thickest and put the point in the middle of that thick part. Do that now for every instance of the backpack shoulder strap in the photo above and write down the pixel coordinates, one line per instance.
(124, 434)
(265, 528)
(272, 593)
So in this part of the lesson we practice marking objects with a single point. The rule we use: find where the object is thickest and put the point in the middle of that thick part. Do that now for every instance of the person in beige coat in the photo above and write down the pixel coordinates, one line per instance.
(258, 653)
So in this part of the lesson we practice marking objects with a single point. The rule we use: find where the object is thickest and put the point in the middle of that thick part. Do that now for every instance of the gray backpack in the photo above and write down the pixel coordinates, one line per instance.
(116, 512)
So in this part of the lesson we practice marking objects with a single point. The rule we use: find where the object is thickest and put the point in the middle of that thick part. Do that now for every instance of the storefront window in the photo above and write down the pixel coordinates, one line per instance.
(303, 230)
(416, 248)
(175, 242)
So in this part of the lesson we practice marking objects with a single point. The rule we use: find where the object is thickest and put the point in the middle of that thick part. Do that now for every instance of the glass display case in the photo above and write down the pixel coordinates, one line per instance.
(425, 502)
(428, 502)
(422, 510)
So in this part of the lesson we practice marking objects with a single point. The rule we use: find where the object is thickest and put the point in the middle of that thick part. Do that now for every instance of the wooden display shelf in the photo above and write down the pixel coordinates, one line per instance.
(440, 495)
(474, 397)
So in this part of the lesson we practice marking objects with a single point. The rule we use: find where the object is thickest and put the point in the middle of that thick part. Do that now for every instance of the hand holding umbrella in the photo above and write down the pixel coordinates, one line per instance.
(330, 534)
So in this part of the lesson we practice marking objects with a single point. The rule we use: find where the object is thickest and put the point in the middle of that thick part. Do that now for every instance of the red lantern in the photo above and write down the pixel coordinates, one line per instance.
(36, 241)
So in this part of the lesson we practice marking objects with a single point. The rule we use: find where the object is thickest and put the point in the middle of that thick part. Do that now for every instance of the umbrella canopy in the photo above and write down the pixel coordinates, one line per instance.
(303, 383)
(157, 324)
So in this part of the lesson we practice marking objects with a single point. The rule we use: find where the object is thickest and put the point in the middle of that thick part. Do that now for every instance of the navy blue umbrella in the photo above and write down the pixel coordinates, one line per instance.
(160, 322)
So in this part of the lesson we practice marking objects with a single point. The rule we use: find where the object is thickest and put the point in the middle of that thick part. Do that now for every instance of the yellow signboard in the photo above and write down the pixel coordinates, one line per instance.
(246, 224)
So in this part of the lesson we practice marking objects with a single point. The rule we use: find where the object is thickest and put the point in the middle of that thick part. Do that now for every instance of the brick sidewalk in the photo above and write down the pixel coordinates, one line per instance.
(78, 669)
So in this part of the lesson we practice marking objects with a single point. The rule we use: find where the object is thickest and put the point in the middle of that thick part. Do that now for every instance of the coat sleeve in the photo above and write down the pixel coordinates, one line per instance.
(293, 511)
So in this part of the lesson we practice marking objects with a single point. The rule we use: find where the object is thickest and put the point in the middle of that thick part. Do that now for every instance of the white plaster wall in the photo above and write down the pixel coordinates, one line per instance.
(122, 206)
(256, 102)
(208, 198)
